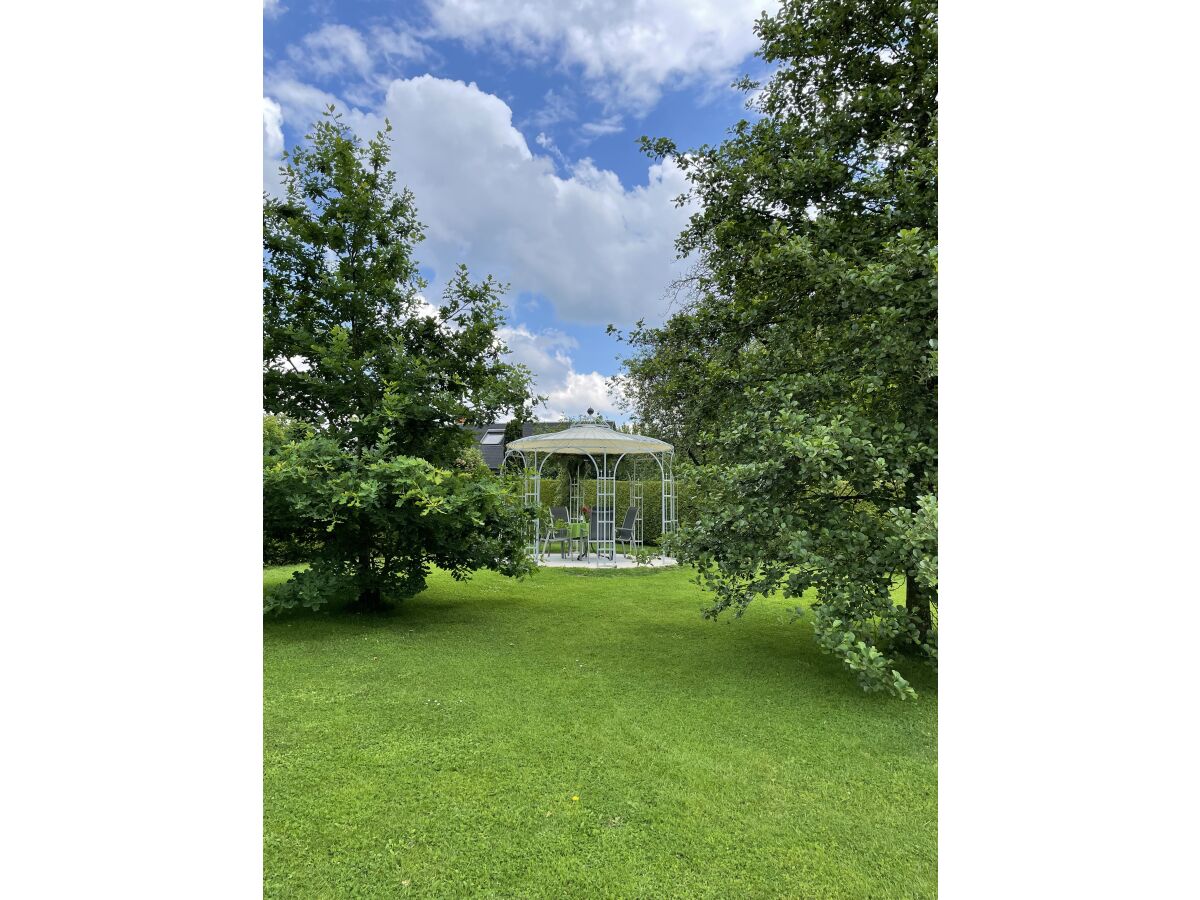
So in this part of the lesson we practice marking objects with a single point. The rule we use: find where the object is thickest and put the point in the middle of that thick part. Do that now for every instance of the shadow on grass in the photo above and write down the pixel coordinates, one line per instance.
(407, 615)
(677, 653)
(349, 613)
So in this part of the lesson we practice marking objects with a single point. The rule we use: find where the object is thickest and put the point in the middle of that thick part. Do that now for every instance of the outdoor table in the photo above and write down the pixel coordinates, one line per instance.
(578, 532)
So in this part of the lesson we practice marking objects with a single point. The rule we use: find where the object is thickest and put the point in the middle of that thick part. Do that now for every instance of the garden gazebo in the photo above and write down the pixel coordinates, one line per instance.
(606, 448)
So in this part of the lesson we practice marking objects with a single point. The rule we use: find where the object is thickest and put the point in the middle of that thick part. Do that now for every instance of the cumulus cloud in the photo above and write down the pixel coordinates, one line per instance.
(545, 352)
(583, 390)
(296, 104)
(302, 104)
(574, 237)
(426, 310)
(272, 145)
(629, 50)
(567, 392)
(597, 251)
(273, 9)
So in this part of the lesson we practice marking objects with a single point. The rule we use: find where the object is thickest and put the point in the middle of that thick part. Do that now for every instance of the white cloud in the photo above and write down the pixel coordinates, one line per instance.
(544, 352)
(597, 251)
(302, 104)
(568, 392)
(546, 142)
(576, 238)
(609, 125)
(332, 50)
(273, 9)
(398, 43)
(583, 390)
(272, 144)
(341, 51)
(426, 310)
(629, 50)
(556, 107)
(295, 103)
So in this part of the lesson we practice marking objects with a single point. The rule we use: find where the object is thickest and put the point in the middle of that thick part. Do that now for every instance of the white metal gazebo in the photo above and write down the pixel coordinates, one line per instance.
(607, 448)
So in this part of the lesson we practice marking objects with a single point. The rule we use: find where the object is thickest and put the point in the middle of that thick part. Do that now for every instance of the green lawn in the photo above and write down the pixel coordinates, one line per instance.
(439, 751)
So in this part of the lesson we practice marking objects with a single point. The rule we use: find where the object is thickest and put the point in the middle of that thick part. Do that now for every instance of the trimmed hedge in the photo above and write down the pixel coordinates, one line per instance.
(557, 492)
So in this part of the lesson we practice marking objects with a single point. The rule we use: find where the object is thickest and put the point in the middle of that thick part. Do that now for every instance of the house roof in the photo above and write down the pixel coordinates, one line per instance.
(493, 454)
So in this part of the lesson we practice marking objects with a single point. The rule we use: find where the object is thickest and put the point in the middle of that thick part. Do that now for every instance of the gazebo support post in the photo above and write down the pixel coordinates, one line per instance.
(637, 502)
(606, 511)
(667, 463)
(530, 495)
(574, 494)
(533, 500)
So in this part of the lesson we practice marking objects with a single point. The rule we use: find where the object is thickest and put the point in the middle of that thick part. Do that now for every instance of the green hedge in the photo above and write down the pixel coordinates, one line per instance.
(556, 492)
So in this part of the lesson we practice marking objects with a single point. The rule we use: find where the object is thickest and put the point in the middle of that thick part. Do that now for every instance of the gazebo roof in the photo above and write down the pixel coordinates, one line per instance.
(581, 440)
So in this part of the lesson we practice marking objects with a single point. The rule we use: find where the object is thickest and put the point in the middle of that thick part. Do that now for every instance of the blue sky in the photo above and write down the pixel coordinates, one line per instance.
(515, 126)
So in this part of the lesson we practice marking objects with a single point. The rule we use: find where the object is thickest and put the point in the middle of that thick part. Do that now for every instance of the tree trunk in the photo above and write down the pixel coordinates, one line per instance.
(369, 599)
(918, 603)
(918, 596)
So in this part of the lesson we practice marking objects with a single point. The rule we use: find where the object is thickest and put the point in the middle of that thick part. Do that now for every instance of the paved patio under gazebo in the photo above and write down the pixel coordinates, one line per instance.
(553, 560)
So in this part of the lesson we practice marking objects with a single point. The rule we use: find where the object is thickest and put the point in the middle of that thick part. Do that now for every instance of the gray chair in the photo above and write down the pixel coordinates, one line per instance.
(594, 534)
(625, 533)
(558, 530)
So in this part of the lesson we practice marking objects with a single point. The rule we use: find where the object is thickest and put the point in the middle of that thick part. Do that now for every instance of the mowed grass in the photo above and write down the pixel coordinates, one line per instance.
(439, 751)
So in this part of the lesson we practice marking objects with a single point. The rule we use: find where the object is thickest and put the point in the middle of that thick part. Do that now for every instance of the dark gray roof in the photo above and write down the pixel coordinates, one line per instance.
(493, 454)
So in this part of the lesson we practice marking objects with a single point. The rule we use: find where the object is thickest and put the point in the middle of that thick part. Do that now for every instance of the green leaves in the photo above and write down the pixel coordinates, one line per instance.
(799, 373)
(366, 464)
(382, 519)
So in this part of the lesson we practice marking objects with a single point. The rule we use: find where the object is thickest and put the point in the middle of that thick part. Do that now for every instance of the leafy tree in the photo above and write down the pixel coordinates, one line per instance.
(367, 454)
(515, 427)
(802, 367)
